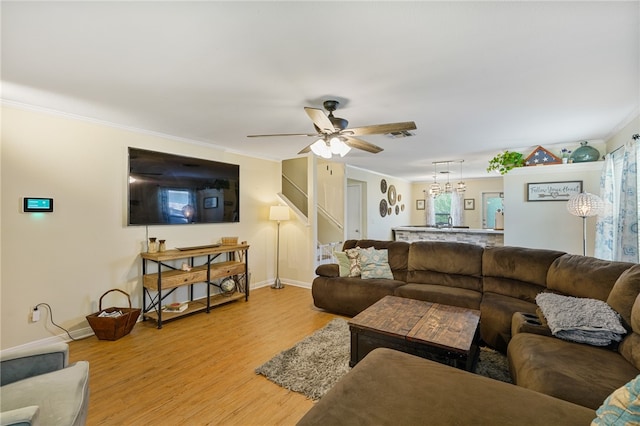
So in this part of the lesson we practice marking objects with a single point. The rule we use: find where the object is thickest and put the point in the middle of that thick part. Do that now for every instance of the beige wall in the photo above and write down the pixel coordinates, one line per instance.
(378, 227)
(70, 257)
(548, 224)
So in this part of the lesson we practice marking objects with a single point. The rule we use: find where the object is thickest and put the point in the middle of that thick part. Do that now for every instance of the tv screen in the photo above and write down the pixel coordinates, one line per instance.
(167, 189)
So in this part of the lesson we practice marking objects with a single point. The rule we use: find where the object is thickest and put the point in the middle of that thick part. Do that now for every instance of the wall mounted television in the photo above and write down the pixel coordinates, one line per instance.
(168, 189)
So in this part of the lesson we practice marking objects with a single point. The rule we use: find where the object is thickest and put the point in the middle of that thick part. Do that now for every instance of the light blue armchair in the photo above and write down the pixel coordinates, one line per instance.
(39, 387)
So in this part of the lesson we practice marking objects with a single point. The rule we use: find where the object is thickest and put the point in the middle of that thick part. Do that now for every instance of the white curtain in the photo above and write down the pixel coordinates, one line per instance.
(429, 210)
(457, 218)
(617, 227)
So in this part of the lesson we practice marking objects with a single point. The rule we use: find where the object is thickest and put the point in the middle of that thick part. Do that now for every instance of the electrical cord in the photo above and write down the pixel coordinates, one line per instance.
(52, 322)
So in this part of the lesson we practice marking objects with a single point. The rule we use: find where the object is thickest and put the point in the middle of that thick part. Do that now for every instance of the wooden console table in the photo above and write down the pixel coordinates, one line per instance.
(156, 286)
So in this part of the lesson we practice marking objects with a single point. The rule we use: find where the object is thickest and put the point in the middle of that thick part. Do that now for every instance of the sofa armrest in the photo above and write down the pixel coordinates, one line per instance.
(22, 363)
(328, 270)
(524, 322)
(24, 416)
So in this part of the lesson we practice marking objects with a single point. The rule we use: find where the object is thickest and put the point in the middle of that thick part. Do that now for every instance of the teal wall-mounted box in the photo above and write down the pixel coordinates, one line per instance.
(37, 204)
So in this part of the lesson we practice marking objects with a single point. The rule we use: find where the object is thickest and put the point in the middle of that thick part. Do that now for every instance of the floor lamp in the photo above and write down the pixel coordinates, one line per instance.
(585, 205)
(278, 213)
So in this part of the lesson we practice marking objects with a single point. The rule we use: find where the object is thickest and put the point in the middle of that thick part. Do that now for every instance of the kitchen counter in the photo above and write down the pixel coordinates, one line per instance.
(482, 237)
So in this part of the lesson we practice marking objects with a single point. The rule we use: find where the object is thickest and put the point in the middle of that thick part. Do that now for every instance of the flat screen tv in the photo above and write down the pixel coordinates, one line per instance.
(167, 189)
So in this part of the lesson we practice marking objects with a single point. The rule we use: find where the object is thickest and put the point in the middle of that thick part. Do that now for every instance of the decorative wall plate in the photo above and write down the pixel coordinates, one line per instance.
(389, 211)
(383, 207)
(391, 195)
(383, 186)
(397, 209)
(402, 207)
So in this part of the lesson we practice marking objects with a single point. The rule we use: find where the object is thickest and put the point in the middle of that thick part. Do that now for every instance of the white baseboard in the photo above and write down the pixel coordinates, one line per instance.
(85, 332)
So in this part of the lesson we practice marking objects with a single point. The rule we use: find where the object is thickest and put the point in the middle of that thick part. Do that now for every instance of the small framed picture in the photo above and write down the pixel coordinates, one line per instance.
(419, 204)
(211, 202)
(469, 203)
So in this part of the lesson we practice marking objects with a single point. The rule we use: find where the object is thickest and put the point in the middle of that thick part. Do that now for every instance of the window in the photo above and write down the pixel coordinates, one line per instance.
(442, 204)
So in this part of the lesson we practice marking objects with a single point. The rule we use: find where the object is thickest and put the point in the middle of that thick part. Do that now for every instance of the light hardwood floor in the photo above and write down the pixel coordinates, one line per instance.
(199, 370)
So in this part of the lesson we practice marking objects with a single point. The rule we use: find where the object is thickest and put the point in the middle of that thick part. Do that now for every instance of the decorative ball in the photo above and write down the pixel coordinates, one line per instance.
(228, 285)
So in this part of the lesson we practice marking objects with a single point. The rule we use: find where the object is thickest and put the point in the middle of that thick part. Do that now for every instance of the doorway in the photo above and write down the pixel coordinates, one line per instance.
(491, 202)
(355, 220)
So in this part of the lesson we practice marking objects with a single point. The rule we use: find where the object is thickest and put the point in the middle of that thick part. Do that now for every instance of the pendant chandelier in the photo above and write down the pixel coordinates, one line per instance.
(462, 187)
(436, 189)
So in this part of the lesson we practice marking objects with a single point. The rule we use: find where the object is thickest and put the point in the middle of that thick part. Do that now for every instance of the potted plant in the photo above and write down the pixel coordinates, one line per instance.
(505, 161)
(565, 154)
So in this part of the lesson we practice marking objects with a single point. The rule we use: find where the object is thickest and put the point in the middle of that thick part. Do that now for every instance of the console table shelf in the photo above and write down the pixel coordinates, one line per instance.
(156, 286)
(197, 305)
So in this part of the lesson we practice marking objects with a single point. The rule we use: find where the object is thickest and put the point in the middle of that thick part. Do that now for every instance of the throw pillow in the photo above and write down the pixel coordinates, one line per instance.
(374, 264)
(343, 263)
(622, 407)
(354, 261)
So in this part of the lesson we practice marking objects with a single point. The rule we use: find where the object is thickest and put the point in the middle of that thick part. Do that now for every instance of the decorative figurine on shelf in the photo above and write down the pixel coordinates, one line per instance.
(564, 154)
(162, 247)
(585, 153)
(153, 246)
(186, 267)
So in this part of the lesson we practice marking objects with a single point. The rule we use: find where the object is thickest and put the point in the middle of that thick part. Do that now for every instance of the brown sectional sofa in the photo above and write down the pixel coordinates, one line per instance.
(390, 388)
(502, 282)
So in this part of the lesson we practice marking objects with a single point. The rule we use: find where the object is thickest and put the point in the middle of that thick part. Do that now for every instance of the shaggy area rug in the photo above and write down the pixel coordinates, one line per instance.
(317, 362)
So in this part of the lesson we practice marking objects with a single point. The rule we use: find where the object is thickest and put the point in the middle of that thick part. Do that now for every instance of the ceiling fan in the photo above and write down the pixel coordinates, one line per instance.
(335, 138)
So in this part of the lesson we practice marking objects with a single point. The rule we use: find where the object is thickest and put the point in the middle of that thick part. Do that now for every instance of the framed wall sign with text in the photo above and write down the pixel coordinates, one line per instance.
(553, 191)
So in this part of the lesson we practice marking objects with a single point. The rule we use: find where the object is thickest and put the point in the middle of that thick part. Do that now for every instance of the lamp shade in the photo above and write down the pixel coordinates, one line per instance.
(279, 213)
(585, 205)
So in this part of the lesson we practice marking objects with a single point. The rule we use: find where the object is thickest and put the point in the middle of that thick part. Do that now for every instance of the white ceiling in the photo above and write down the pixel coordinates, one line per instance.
(476, 77)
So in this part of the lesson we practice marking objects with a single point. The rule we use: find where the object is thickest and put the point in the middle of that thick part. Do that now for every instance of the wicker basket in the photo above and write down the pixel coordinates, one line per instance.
(229, 241)
(113, 328)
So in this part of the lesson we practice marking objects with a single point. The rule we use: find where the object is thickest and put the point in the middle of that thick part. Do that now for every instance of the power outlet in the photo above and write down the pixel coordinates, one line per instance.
(35, 314)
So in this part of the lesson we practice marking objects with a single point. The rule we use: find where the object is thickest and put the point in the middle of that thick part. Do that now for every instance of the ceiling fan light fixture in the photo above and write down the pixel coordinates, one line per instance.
(339, 147)
(321, 149)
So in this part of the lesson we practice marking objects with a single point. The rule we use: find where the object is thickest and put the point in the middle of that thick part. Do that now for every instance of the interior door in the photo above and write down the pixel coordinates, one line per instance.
(354, 212)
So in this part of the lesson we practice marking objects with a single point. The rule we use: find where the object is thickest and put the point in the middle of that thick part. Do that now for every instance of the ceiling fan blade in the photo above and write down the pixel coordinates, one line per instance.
(283, 134)
(305, 149)
(360, 144)
(321, 121)
(378, 129)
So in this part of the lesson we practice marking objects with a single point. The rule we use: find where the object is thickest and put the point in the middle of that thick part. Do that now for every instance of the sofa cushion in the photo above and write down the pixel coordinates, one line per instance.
(60, 395)
(624, 293)
(629, 348)
(397, 252)
(518, 263)
(582, 374)
(374, 264)
(622, 407)
(446, 258)
(496, 314)
(583, 276)
(393, 388)
(445, 295)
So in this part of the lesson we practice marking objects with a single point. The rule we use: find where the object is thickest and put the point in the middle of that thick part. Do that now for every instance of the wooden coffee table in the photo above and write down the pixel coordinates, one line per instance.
(443, 333)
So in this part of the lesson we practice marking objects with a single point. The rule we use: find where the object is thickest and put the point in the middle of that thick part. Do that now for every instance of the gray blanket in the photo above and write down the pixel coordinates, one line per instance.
(581, 320)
